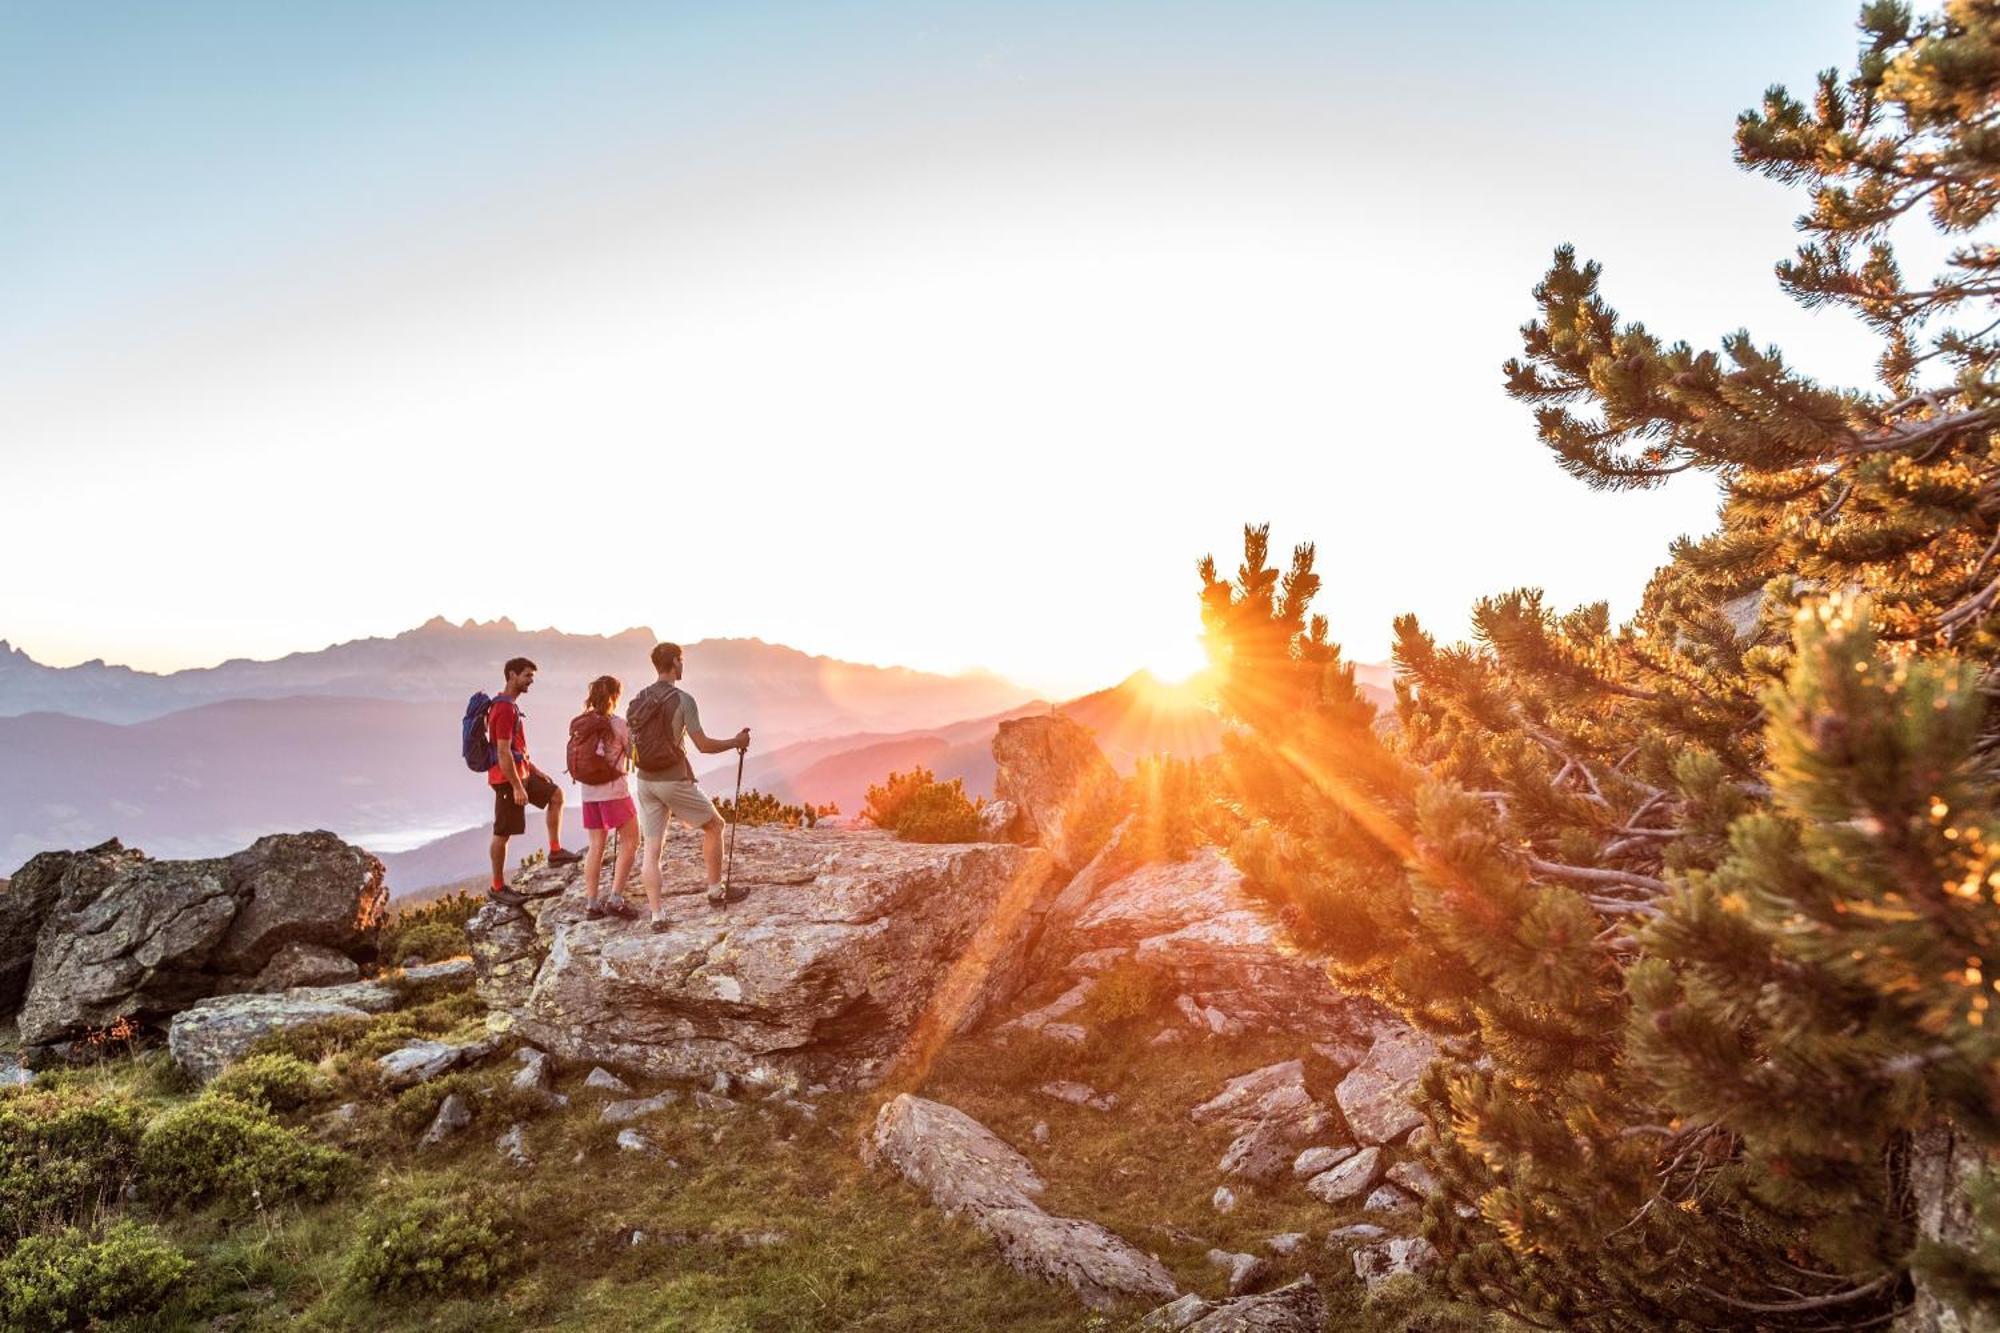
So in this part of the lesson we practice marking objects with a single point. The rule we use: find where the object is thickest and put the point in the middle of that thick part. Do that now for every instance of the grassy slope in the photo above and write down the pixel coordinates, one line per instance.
(758, 1219)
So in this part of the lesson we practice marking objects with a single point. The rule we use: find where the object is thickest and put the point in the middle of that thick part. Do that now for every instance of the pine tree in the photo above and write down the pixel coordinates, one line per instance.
(1702, 912)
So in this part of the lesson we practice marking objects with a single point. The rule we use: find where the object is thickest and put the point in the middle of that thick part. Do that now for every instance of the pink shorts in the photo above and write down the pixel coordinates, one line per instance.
(609, 814)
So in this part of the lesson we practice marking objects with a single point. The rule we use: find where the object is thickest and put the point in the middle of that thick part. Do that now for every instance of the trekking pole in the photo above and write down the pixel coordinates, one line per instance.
(735, 813)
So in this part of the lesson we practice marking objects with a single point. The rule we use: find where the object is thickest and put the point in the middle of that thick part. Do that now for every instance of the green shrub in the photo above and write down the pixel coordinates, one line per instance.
(69, 1279)
(313, 1042)
(432, 1246)
(1127, 991)
(216, 1148)
(431, 930)
(62, 1158)
(278, 1082)
(428, 943)
(921, 809)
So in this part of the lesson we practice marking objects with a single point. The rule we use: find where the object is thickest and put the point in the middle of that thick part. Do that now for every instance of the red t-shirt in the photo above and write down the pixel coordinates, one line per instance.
(508, 730)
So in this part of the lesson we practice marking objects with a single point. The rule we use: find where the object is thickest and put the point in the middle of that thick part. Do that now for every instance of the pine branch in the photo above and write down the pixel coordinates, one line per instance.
(1593, 875)
(1847, 1297)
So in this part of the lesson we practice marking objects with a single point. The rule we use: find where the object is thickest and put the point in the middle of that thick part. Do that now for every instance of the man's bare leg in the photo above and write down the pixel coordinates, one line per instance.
(554, 818)
(497, 851)
(711, 850)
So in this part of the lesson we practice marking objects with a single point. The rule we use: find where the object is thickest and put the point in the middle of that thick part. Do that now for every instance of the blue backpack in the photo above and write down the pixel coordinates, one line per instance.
(473, 742)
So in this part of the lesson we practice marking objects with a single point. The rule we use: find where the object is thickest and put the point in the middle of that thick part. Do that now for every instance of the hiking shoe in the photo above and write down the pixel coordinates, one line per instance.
(618, 907)
(719, 895)
(563, 856)
(505, 897)
(596, 911)
(660, 925)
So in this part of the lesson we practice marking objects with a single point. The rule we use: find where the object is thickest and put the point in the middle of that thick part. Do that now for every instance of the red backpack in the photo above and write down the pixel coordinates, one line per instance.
(590, 737)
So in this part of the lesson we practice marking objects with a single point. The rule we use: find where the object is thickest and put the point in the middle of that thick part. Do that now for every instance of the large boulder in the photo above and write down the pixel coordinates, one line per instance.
(32, 894)
(849, 950)
(1063, 790)
(967, 1169)
(134, 938)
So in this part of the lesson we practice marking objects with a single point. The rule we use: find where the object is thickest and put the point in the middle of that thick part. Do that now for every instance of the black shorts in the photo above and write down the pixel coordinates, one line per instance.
(509, 818)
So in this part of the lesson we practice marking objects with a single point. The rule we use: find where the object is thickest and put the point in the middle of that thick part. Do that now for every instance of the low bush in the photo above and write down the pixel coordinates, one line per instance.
(276, 1082)
(756, 808)
(1127, 991)
(1172, 802)
(431, 930)
(919, 808)
(127, 1278)
(219, 1149)
(63, 1157)
(432, 1246)
(313, 1042)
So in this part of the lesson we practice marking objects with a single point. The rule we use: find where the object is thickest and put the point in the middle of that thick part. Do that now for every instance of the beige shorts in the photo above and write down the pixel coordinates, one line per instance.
(682, 799)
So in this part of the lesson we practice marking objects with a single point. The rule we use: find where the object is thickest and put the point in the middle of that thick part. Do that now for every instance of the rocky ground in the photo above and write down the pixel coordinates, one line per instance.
(897, 1086)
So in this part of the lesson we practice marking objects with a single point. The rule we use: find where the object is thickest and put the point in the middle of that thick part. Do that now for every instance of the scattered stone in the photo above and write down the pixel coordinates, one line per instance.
(1245, 1270)
(210, 1035)
(1348, 1181)
(1080, 1094)
(1067, 1033)
(964, 1167)
(1313, 1161)
(1388, 1199)
(419, 1062)
(1168, 1037)
(449, 969)
(1294, 1308)
(1285, 1243)
(1355, 1232)
(13, 1074)
(760, 1240)
(708, 1101)
(720, 1085)
(637, 1238)
(1378, 1261)
(1071, 1000)
(638, 1108)
(1242, 1099)
(452, 1117)
(603, 1080)
(805, 1110)
(534, 1075)
(1274, 1116)
(513, 1145)
(1375, 1095)
(631, 1140)
(1040, 1133)
(1414, 1177)
(1223, 1200)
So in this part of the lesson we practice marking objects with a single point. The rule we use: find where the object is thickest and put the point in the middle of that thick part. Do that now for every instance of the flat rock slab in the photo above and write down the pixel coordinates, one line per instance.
(847, 948)
(213, 1034)
(1375, 1095)
(1296, 1308)
(966, 1168)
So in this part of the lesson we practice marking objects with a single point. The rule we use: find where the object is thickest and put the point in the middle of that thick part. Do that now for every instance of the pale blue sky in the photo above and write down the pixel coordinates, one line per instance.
(945, 334)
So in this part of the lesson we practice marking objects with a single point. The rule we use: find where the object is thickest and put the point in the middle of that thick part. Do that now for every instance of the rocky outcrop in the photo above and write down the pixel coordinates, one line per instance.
(1274, 1116)
(966, 1169)
(848, 949)
(1063, 790)
(32, 894)
(1296, 1308)
(1944, 1165)
(125, 936)
(1195, 921)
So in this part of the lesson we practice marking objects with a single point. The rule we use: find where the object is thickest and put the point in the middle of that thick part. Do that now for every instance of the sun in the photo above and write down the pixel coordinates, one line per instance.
(1176, 662)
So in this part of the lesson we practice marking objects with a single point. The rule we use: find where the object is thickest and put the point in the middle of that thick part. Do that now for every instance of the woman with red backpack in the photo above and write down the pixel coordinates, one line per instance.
(600, 756)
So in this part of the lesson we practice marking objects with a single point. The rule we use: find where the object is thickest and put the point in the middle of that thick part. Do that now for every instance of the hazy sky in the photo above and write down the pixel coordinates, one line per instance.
(943, 334)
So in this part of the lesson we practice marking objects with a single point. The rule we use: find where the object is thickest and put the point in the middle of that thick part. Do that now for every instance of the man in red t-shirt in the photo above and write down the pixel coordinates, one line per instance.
(516, 782)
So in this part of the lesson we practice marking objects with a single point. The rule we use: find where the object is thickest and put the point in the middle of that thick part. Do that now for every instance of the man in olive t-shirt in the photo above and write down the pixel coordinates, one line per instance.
(662, 717)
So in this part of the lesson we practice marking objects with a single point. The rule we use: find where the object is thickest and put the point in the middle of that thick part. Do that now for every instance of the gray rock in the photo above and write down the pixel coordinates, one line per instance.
(1080, 1094)
(1388, 1199)
(124, 936)
(27, 899)
(513, 1146)
(1356, 1232)
(1285, 1243)
(637, 1108)
(1000, 821)
(1375, 1095)
(438, 973)
(210, 1035)
(1414, 1177)
(1040, 1133)
(965, 1168)
(1274, 1116)
(453, 1115)
(1069, 1034)
(13, 1074)
(419, 1062)
(601, 1079)
(1223, 1200)
(1052, 772)
(1244, 1099)
(631, 1140)
(1245, 1271)
(721, 1085)
(301, 964)
(1104, 1270)
(708, 1101)
(1055, 1010)
(1313, 1161)
(1378, 1261)
(1096, 961)
(1350, 1180)
(534, 1074)
(1168, 1037)
(1295, 1308)
(845, 943)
